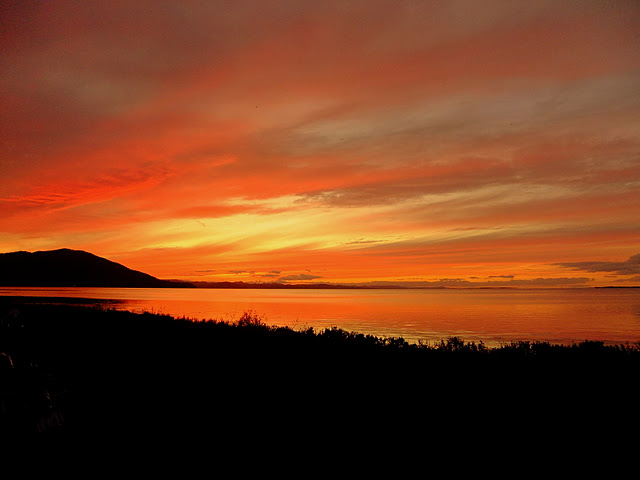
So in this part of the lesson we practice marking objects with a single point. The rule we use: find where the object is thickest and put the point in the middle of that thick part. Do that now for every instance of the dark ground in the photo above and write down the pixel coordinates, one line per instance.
(79, 372)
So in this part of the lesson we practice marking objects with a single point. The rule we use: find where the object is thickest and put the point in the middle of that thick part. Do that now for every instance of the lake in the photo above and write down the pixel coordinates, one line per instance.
(493, 316)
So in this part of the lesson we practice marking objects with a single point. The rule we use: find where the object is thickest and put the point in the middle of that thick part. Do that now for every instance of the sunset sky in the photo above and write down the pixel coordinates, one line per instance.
(454, 142)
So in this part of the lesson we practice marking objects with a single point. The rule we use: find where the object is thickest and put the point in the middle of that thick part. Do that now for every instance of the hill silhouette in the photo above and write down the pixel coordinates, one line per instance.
(72, 268)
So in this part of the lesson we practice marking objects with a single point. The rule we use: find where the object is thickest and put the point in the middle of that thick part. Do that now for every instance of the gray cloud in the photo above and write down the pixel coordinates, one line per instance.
(628, 267)
(302, 276)
(462, 283)
(362, 241)
(545, 282)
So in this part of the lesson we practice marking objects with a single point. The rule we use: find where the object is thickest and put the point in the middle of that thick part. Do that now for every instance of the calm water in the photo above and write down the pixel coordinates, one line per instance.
(491, 316)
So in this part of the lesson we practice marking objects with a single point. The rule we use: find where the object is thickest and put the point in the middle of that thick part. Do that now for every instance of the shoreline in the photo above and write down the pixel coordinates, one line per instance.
(79, 371)
(324, 286)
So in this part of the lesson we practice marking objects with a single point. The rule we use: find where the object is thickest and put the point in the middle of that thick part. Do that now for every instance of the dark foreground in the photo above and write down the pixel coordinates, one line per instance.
(79, 372)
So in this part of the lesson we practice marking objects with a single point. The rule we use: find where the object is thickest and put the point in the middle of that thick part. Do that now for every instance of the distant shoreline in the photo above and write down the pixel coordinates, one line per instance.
(326, 286)
(67, 268)
(224, 285)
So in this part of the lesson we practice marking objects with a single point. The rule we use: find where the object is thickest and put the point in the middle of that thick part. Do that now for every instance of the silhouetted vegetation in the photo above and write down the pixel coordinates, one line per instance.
(79, 371)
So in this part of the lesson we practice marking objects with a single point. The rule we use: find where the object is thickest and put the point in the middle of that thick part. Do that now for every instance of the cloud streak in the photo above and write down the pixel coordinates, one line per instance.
(629, 267)
(298, 277)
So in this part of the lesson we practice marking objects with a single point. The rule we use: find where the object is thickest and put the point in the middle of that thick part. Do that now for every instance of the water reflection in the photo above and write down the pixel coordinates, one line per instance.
(491, 316)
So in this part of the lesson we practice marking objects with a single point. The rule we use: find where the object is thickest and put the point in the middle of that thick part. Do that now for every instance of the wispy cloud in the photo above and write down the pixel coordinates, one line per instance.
(631, 266)
(300, 276)
(474, 283)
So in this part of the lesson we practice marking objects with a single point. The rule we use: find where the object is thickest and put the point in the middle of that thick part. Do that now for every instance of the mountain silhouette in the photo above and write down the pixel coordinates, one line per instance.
(72, 268)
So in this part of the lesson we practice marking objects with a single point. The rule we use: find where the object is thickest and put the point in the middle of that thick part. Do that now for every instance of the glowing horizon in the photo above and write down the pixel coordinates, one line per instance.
(447, 142)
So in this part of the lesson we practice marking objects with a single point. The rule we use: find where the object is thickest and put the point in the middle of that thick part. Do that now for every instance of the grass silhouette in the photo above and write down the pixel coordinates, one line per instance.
(81, 371)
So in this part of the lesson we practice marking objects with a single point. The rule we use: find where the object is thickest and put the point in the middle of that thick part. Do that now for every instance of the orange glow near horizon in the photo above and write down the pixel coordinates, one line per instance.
(424, 143)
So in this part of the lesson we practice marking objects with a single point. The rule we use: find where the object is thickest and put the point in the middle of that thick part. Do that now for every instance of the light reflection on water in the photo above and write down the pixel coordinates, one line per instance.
(491, 316)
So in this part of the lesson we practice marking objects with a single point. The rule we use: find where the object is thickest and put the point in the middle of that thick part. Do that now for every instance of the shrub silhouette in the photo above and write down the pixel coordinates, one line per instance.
(106, 370)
